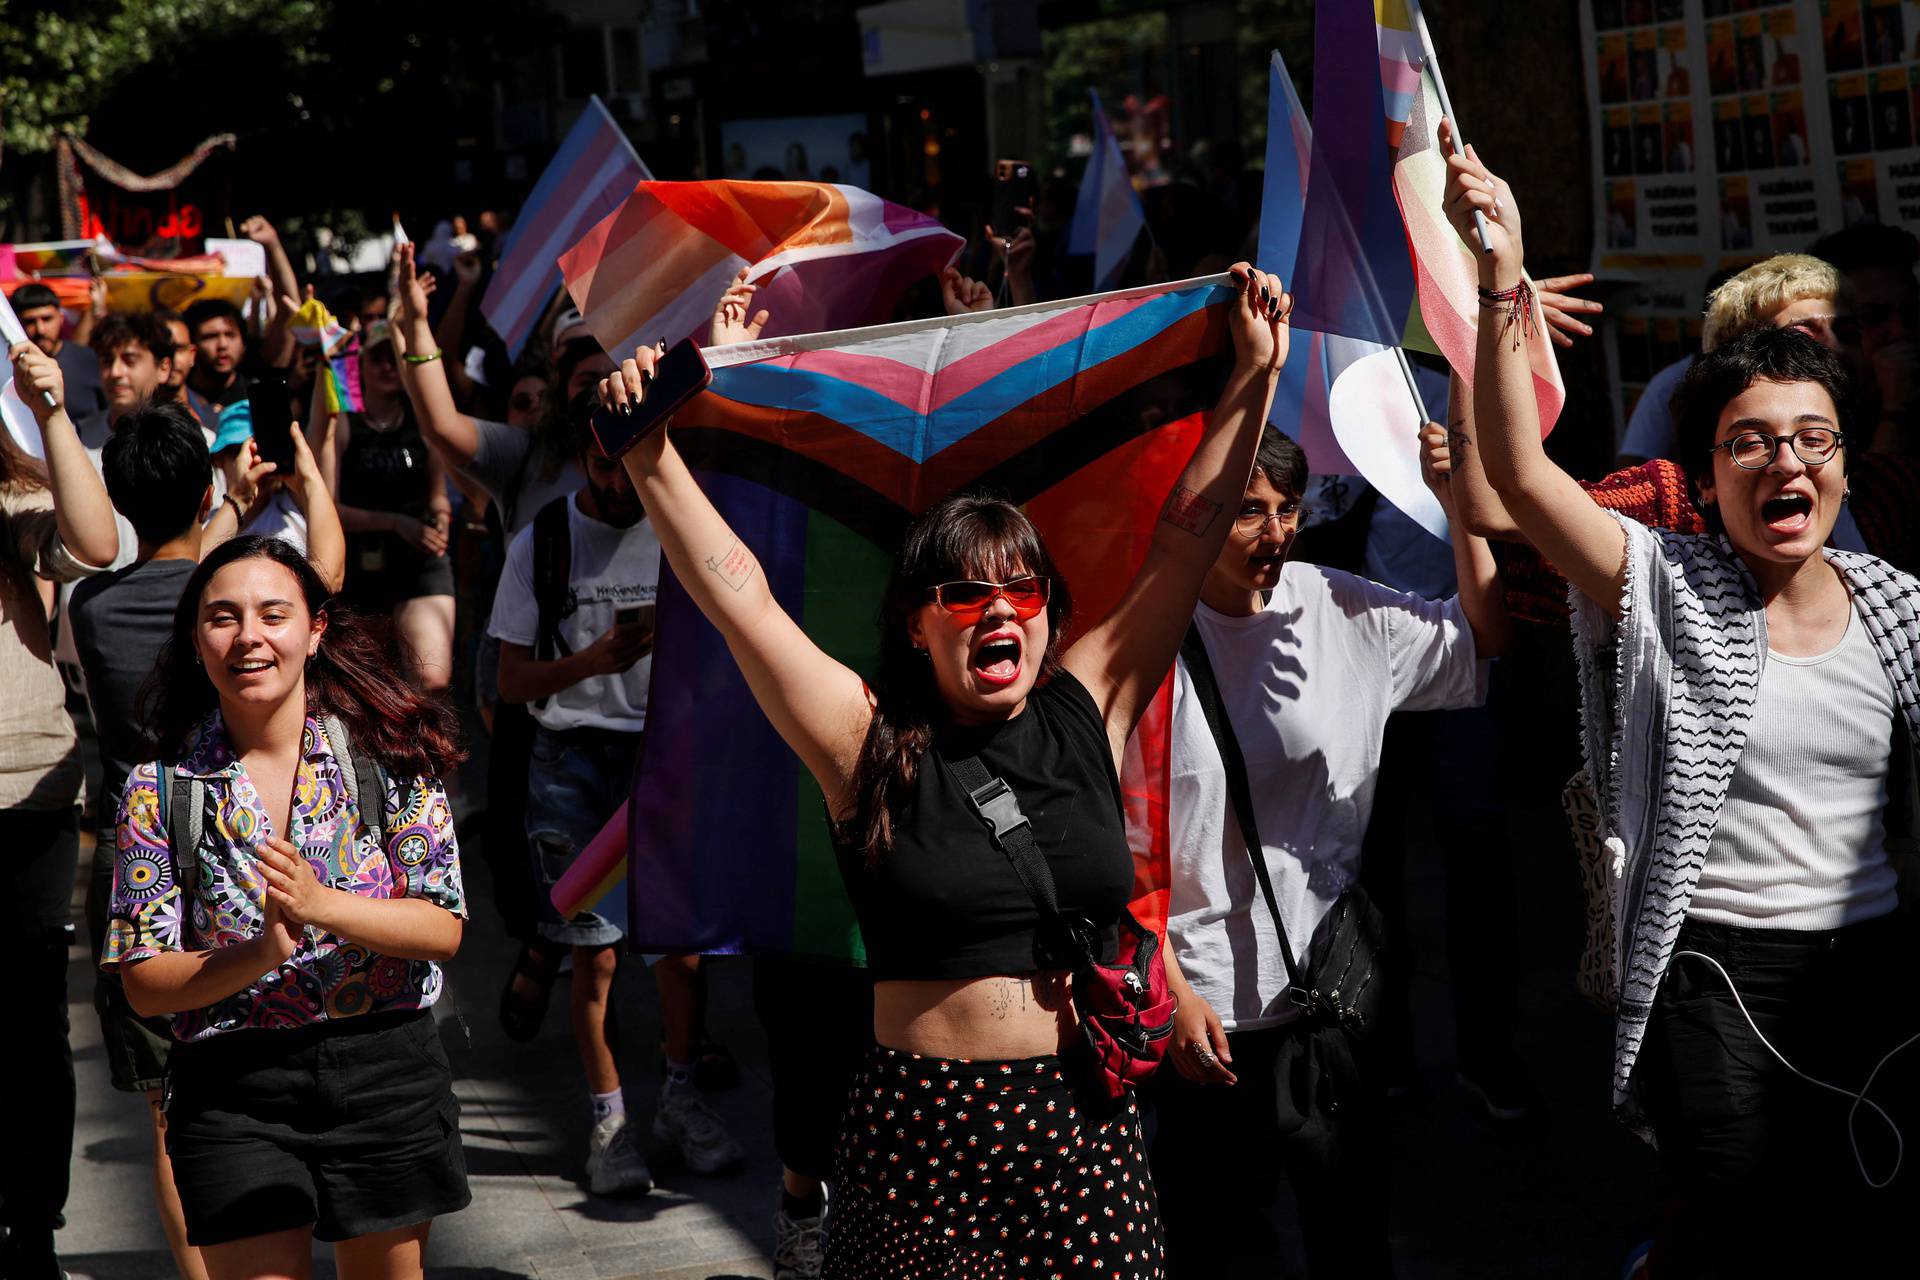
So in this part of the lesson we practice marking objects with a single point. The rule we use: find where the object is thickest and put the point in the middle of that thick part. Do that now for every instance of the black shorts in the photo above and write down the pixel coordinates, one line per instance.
(351, 1126)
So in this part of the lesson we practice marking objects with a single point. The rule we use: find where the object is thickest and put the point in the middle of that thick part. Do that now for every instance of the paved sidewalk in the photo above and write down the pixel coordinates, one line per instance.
(524, 1123)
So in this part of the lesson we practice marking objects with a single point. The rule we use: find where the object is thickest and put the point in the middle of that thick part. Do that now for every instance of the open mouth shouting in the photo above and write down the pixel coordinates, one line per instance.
(996, 659)
(1788, 513)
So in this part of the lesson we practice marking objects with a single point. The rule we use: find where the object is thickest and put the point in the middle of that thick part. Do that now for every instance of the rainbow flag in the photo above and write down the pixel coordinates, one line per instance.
(1445, 273)
(587, 179)
(655, 267)
(1400, 62)
(59, 258)
(313, 325)
(817, 449)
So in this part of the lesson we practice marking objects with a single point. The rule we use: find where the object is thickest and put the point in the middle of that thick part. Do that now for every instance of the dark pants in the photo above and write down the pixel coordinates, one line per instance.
(819, 1023)
(1451, 760)
(39, 857)
(1217, 1160)
(1761, 1177)
(505, 842)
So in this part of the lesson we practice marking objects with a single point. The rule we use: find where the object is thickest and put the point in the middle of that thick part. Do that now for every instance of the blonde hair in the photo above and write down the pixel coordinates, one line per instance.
(1743, 303)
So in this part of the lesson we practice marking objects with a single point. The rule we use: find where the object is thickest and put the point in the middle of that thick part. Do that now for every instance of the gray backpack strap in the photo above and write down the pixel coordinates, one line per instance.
(183, 812)
(363, 776)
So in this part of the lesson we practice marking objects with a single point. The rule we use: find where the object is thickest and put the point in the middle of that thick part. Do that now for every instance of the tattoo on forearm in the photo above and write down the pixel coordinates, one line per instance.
(1459, 441)
(734, 567)
(1189, 511)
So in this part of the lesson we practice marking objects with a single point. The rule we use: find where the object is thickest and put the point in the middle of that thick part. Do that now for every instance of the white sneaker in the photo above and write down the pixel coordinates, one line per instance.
(796, 1247)
(614, 1164)
(686, 1122)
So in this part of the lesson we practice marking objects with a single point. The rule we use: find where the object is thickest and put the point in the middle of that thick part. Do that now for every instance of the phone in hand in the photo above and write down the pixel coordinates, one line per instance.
(271, 407)
(630, 616)
(679, 376)
(1013, 190)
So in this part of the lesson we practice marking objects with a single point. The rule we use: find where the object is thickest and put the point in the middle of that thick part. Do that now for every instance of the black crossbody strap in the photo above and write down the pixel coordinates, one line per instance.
(1206, 691)
(999, 808)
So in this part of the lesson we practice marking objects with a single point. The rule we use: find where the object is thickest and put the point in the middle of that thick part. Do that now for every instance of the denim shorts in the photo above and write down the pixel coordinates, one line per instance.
(575, 782)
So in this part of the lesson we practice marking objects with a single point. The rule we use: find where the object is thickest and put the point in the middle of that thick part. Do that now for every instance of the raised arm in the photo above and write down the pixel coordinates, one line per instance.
(82, 511)
(448, 432)
(1482, 597)
(277, 344)
(326, 540)
(818, 705)
(1451, 451)
(1122, 660)
(1547, 505)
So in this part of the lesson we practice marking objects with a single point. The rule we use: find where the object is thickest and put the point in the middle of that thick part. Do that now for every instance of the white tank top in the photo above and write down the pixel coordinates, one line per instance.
(1802, 842)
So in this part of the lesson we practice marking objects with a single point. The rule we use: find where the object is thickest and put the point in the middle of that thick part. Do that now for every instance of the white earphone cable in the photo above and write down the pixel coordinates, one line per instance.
(1899, 1144)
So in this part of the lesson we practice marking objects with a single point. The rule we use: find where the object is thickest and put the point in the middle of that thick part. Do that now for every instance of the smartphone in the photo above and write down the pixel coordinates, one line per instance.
(271, 407)
(634, 615)
(1013, 190)
(680, 375)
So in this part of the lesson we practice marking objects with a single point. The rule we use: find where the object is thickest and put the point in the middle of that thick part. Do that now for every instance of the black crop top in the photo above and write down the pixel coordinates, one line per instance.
(946, 902)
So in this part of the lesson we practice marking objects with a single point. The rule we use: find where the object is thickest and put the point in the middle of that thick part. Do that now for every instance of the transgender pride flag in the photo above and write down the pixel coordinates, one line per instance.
(587, 178)
(817, 449)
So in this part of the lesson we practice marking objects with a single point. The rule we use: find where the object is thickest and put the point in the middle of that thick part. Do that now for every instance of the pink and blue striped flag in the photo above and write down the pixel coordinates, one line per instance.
(589, 177)
(1358, 280)
(818, 449)
(1345, 400)
(1107, 218)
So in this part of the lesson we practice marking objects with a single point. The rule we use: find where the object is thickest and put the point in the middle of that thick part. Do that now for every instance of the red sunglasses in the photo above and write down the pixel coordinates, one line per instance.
(967, 602)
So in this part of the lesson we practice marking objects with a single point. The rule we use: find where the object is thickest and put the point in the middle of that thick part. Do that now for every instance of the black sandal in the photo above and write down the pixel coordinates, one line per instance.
(522, 1015)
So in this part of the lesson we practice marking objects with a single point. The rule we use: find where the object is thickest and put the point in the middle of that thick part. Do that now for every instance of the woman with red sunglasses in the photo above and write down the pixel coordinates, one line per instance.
(966, 1148)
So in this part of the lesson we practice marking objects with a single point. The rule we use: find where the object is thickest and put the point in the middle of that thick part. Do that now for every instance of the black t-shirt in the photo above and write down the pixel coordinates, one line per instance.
(86, 395)
(946, 902)
(120, 622)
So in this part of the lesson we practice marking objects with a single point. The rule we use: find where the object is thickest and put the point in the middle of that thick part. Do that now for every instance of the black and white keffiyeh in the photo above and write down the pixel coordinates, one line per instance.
(1667, 694)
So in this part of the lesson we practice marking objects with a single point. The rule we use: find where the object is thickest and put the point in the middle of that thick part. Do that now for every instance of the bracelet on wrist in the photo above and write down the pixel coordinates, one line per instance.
(1517, 302)
(429, 358)
(239, 512)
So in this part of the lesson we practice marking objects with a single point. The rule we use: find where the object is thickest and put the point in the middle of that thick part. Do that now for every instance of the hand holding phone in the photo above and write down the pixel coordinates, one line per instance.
(1013, 193)
(271, 407)
(677, 377)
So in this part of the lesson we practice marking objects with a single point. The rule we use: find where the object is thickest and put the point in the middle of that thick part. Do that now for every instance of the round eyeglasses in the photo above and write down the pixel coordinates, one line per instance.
(1251, 524)
(1756, 450)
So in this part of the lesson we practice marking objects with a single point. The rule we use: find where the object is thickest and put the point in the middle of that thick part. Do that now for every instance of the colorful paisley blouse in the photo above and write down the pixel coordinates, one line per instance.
(327, 976)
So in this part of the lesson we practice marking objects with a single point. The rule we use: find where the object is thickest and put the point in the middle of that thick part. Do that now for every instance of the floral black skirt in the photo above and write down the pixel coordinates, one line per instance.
(954, 1169)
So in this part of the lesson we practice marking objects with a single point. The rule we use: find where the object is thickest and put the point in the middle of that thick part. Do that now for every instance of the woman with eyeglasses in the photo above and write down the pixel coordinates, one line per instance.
(1309, 662)
(1751, 708)
(966, 1148)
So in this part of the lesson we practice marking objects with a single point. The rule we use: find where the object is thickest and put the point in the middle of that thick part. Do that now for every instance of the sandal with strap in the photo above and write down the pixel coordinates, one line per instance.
(521, 1014)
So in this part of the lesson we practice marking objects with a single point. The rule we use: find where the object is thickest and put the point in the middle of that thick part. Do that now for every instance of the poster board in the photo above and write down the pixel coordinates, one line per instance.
(1729, 130)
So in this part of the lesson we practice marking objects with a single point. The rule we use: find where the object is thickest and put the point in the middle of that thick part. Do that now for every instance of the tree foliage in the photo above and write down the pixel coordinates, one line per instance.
(60, 63)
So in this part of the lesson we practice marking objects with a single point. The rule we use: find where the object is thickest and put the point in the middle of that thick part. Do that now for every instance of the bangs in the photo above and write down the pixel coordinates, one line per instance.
(988, 544)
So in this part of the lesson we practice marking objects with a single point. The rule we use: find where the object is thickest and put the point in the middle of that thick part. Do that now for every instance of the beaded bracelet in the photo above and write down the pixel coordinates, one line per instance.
(1517, 302)
(426, 359)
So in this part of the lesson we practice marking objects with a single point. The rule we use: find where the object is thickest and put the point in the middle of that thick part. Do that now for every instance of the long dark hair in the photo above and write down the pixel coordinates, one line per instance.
(349, 675)
(964, 536)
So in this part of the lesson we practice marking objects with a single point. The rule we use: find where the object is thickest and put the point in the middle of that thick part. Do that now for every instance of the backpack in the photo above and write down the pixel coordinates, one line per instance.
(183, 805)
(553, 595)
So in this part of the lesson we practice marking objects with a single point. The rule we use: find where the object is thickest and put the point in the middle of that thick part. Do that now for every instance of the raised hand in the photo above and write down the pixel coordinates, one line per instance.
(730, 322)
(1560, 307)
(1471, 188)
(466, 271)
(411, 286)
(36, 377)
(246, 475)
(961, 295)
(1258, 321)
(260, 231)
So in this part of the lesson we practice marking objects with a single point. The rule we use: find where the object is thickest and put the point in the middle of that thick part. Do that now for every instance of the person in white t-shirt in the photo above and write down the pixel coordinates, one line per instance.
(579, 650)
(1310, 662)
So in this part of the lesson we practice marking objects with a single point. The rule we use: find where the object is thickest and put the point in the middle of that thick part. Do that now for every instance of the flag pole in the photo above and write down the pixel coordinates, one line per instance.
(1413, 388)
(1431, 63)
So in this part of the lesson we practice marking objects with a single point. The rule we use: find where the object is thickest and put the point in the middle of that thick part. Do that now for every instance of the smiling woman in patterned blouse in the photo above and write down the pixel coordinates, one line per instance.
(297, 943)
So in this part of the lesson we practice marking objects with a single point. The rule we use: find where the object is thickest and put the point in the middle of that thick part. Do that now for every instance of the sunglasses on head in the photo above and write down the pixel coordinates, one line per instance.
(967, 602)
